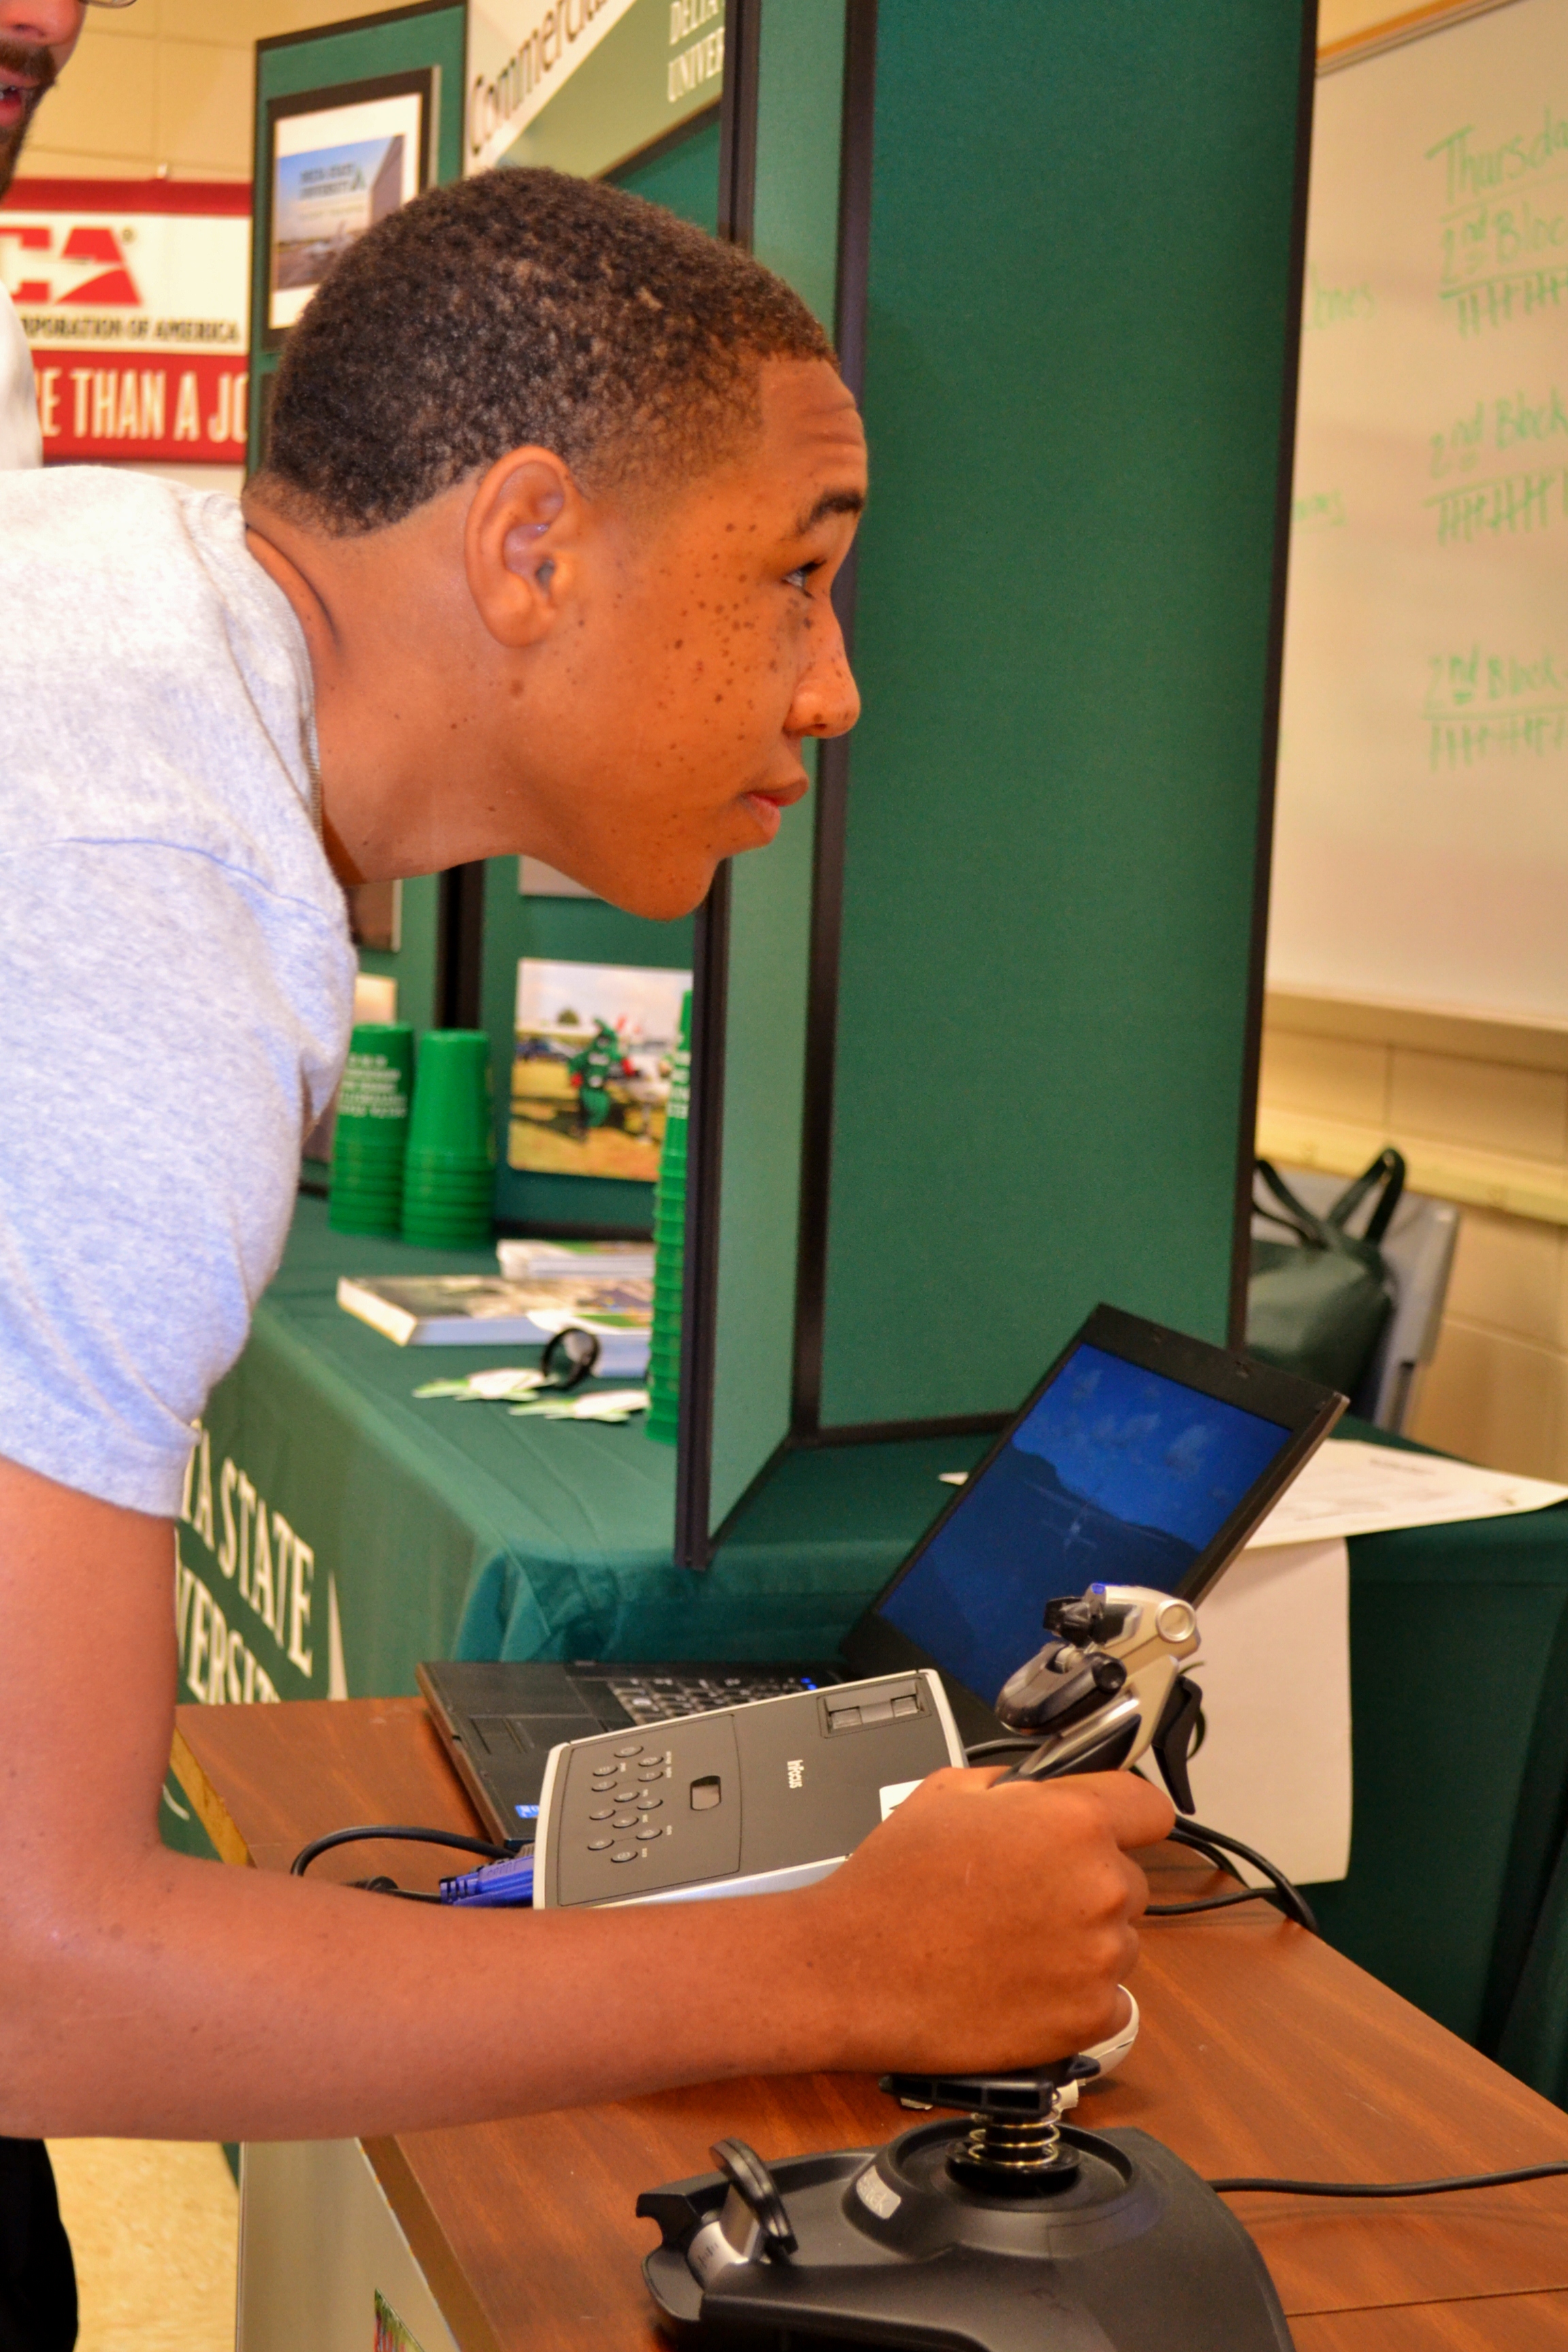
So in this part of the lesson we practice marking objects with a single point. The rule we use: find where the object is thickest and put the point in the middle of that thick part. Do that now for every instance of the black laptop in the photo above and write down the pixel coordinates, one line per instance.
(1143, 1458)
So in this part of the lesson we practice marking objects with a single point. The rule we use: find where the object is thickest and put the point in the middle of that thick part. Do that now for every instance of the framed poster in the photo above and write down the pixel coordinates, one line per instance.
(590, 1077)
(338, 159)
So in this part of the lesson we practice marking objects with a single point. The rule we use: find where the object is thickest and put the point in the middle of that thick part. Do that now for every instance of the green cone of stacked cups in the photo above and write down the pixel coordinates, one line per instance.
(448, 1177)
(371, 1135)
(669, 1246)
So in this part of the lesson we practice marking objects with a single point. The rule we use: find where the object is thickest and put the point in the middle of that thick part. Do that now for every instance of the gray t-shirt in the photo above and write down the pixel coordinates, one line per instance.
(176, 980)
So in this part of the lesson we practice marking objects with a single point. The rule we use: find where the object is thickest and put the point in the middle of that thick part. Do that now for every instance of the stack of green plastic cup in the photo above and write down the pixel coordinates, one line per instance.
(371, 1131)
(670, 1247)
(448, 1179)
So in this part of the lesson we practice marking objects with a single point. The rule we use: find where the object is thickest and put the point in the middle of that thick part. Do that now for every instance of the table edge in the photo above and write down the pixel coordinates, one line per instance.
(207, 1805)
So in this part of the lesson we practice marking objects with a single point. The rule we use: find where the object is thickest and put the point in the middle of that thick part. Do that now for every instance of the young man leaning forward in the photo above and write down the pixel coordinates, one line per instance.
(541, 562)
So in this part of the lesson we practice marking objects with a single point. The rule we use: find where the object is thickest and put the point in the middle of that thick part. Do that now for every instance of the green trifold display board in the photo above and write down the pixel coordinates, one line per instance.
(1080, 273)
(682, 177)
(1079, 375)
(338, 1528)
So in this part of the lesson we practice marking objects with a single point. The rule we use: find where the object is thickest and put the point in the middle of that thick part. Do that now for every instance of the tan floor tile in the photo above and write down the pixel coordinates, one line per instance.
(1509, 1277)
(154, 2232)
(1495, 1401)
(1486, 1105)
(1334, 1077)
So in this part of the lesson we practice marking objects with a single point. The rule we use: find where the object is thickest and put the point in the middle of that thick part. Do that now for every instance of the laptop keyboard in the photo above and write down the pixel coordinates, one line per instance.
(656, 1698)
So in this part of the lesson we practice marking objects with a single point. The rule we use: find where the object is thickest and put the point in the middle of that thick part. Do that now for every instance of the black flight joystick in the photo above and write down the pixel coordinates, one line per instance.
(1001, 2231)
(1005, 2229)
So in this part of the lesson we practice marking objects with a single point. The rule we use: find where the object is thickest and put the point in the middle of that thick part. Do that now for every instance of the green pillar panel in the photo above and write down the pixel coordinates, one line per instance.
(759, 1215)
(683, 178)
(1080, 347)
(794, 231)
(800, 97)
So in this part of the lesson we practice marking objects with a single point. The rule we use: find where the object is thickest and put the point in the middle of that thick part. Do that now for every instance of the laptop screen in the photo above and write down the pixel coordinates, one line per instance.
(1117, 1476)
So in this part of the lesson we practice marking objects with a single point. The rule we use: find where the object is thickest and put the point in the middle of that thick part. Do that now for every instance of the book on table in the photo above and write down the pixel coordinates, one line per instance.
(527, 1260)
(488, 1310)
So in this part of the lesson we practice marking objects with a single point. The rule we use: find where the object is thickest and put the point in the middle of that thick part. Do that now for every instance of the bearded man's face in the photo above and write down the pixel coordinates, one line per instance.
(36, 36)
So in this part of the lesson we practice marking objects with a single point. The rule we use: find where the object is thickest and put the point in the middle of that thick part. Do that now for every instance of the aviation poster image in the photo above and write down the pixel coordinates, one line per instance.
(335, 173)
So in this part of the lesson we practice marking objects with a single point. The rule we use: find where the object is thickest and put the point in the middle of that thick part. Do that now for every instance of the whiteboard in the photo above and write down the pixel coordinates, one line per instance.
(1421, 846)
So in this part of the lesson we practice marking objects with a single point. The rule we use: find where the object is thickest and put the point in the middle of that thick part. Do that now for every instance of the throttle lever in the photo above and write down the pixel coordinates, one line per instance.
(754, 2185)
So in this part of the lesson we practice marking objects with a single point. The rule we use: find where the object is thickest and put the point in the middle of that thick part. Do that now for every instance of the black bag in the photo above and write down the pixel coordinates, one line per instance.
(1317, 1303)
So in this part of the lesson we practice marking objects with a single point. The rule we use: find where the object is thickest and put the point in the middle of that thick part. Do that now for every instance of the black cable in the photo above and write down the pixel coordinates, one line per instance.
(1291, 1901)
(309, 1853)
(1394, 2187)
(1208, 1903)
(391, 1886)
(1188, 1832)
(1285, 1896)
(1211, 1854)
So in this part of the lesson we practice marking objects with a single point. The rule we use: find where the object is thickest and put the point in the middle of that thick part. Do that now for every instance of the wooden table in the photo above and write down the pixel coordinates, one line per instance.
(1262, 2051)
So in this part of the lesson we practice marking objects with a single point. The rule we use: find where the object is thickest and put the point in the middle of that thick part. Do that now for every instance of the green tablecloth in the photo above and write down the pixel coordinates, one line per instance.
(1459, 1685)
(414, 1530)
(437, 1529)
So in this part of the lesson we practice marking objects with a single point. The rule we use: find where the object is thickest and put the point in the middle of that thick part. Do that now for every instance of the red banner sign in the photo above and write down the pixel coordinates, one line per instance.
(113, 406)
(133, 295)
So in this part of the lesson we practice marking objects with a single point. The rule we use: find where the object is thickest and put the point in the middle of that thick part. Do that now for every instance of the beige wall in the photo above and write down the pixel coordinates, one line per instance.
(1481, 1110)
(164, 87)
(1340, 21)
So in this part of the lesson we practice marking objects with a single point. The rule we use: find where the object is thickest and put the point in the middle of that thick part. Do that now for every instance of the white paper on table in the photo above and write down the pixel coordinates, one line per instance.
(1351, 1488)
(1274, 1667)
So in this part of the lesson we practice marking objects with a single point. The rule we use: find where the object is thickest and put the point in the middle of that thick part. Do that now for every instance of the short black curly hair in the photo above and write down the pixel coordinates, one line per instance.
(522, 305)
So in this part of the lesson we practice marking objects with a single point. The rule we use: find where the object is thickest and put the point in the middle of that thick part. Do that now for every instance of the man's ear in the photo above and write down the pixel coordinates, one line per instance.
(522, 542)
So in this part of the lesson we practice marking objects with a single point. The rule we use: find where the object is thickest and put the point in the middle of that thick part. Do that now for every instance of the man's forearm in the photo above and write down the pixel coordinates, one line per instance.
(147, 1993)
(977, 1929)
(187, 2000)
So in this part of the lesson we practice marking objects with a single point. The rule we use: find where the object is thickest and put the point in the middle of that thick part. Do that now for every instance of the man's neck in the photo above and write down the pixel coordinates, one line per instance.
(381, 659)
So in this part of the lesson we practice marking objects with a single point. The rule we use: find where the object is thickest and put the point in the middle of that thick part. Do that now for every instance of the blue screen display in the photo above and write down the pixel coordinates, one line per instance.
(1118, 1475)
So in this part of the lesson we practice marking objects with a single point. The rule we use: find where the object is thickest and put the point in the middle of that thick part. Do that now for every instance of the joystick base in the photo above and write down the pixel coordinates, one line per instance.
(1132, 2253)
